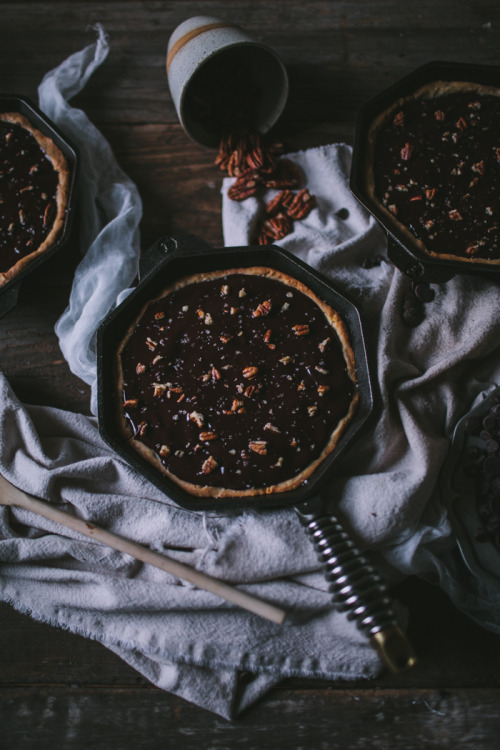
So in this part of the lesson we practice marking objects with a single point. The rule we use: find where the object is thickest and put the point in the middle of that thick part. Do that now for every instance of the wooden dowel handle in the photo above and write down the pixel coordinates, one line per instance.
(11, 495)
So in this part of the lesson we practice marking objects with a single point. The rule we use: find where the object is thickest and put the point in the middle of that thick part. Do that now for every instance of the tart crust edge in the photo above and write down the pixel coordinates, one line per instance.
(214, 492)
(60, 165)
(433, 90)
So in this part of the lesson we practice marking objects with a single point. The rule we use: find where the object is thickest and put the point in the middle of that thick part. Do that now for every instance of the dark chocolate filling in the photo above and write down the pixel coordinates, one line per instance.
(437, 169)
(190, 387)
(28, 189)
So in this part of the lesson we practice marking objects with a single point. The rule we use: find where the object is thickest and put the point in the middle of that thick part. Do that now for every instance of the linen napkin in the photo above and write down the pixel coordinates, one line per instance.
(110, 207)
(187, 641)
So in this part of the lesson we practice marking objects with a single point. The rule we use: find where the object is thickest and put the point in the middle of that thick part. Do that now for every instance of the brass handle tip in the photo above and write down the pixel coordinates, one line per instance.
(394, 649)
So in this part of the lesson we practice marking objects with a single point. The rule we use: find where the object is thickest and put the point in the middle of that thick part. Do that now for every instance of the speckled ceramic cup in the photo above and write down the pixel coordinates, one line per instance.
(205, 56)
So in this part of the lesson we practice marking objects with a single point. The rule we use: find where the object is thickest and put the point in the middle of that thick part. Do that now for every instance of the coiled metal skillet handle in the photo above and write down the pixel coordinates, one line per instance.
(356, 586)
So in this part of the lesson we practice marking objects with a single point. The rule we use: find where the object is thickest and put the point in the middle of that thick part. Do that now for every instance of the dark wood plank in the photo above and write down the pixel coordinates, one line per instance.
(101, 718)
(451, 649)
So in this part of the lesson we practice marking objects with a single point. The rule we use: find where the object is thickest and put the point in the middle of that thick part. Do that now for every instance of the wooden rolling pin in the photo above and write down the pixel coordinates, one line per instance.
(11, 495)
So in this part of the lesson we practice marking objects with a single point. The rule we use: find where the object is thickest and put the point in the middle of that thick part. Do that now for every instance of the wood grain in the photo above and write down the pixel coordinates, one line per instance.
(60, 690)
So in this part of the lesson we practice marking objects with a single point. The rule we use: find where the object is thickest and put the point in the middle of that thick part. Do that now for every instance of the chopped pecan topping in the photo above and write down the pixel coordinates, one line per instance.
(164, 451)
(472, 249)
(131, 403)
(258, 446)
(301, 329)
(159, 389)
(271, 427)
(406, 151)
(322, 389)
(159, 315)
(322, 346)
(455, 215)
(264, 308)
(197, 417)
(141, 429)
(151, 344)
(399, 118)
(208, 435)
(140, 368)
(209, 465)
(47, 215)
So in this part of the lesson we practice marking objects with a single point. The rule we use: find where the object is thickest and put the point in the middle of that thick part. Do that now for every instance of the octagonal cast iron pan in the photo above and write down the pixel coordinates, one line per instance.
(9, 292)
(356, 587)
(402, 250)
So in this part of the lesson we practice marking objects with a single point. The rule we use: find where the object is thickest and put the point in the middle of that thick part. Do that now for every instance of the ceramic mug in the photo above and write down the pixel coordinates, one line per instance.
(220, 77)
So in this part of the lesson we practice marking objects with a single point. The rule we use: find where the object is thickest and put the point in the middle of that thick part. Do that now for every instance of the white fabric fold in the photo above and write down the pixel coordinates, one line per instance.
(110, 209)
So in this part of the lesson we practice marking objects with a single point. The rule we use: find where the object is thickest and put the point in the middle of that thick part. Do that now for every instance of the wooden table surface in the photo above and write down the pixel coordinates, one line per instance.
(59, 690)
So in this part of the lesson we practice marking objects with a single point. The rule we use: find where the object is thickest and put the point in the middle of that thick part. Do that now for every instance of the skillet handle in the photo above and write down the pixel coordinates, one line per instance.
(356, 586)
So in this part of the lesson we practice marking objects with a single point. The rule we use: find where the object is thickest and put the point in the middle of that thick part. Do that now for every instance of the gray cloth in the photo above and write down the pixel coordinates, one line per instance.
(190, 642)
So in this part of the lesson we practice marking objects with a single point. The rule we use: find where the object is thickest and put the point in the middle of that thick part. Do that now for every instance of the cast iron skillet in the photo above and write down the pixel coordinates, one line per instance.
(402, 250)
(356, 586)
(9, 292)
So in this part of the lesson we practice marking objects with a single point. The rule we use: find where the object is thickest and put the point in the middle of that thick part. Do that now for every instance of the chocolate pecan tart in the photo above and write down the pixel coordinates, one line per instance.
(236, 383)
(34, 185)
(435, 159)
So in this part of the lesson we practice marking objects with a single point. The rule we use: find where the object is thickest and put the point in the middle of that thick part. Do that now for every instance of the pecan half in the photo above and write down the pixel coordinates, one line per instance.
(277, 227)
(245, 186)
(301, 205)
(250, 372)
(286, 175)
(301, 329)
(280, 201)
